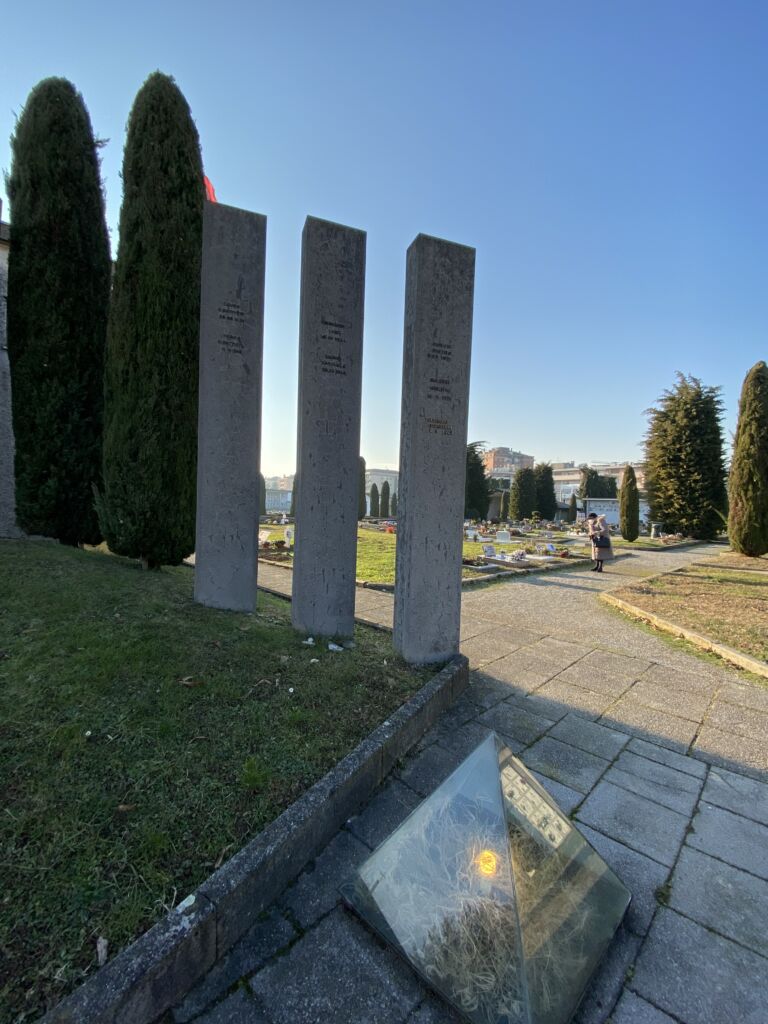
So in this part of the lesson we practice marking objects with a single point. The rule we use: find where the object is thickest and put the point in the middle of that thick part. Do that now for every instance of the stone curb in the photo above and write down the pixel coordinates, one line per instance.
(727, 653)
(160, 967)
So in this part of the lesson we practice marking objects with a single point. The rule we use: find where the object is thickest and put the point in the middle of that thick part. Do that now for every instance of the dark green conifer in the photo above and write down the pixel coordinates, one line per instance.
(748, 483)
(522, 496)
(147, 508)
(629, 506)
(572, 508)
(58, 294)
(393, 503)
(546, 501)
(374, 501)
(262, 495)
(361, 502)
(504, 510)
(384, 500)
(684, 464)
(477, 494)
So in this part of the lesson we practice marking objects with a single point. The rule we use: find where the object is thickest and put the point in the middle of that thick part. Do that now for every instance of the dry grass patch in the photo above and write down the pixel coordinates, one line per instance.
(726, 606)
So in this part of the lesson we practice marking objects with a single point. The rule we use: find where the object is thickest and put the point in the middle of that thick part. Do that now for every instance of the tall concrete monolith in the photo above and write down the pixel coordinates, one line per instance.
(328, 445)
(8, 527)
(439, 292)
(229, 411)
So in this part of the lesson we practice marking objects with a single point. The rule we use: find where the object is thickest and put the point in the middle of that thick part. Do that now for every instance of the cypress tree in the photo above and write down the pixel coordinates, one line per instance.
(573, 509)
(477, 495)
(504, 511)
(522, 497)
(150, 441)
(262, 495)
(629, 506)
(685, 469)
(748, 483)
(294, 491)
(546, 500)
(361, 502)
(58, 294)
(384, 500)
(374, 501)
(393, 503)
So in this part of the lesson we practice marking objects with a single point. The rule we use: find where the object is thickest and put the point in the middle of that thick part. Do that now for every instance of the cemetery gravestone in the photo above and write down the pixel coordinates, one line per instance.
(229, 413)
(328, 446)
(433, 437)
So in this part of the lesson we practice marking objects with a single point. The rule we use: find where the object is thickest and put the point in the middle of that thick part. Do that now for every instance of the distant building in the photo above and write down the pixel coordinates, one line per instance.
(378, 477)
(277, 500)
(567, 476)
(505, 462)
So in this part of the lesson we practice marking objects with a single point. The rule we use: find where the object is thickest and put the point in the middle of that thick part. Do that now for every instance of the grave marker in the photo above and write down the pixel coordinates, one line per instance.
(229, 413)
(328, 447)
(433, 437)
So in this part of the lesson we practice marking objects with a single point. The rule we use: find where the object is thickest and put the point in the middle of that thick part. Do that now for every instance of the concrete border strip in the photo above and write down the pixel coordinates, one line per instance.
(729, 654)
(160, 967)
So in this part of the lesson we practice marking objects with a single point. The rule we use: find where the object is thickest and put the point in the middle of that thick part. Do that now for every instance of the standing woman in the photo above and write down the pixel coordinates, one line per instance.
(600, 535)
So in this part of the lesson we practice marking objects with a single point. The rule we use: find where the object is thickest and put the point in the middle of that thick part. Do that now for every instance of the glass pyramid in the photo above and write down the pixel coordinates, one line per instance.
(492, 895)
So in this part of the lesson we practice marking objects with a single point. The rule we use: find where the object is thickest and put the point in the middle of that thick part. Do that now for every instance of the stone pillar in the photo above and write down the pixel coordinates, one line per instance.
(439, 291)
(229, 411)
(328, 448)
(8, 526)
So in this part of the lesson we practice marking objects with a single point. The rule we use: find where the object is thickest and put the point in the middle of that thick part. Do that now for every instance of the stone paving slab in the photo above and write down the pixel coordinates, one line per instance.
(608, 981)
(513, 721)
(589, 736)
(644, 826)
(238, 1008)
(573, 699)
(746, 694)
(618, 666)
(700, 977)
(463, 740)
(729, 837)
(641, 875)
(748, 756)
(723, 898)
(682, 703)
(525, 669)
(382, 815)
(316, 891)
(657, 782)
(647, 723)
(338, 972)
(736, 793)
(567, 799)
(739, 720)
(631, 1009)
(265, 939)
(425, 772)
(565, 764)
(680, 682)
(589, 678)
(662, 755)
(486, 690)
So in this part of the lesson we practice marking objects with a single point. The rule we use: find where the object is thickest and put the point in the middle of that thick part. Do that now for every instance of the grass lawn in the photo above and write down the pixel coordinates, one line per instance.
(726, 606)
(144, 739)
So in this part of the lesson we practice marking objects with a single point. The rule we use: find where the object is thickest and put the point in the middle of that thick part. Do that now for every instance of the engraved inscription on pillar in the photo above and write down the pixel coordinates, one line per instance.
(332, 361)
(231, 314)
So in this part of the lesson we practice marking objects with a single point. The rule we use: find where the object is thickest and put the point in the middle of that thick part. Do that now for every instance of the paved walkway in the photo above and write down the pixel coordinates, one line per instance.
(661, 758)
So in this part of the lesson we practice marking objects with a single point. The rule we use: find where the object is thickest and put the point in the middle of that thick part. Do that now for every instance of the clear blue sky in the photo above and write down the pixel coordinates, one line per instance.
(608, 160)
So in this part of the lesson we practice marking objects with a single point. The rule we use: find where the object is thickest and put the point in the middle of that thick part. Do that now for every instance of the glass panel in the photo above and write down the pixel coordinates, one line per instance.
(569, 902)
(492, 895)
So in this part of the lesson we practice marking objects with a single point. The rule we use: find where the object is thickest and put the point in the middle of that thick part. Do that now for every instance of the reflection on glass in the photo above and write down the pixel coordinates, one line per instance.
(492, 895)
